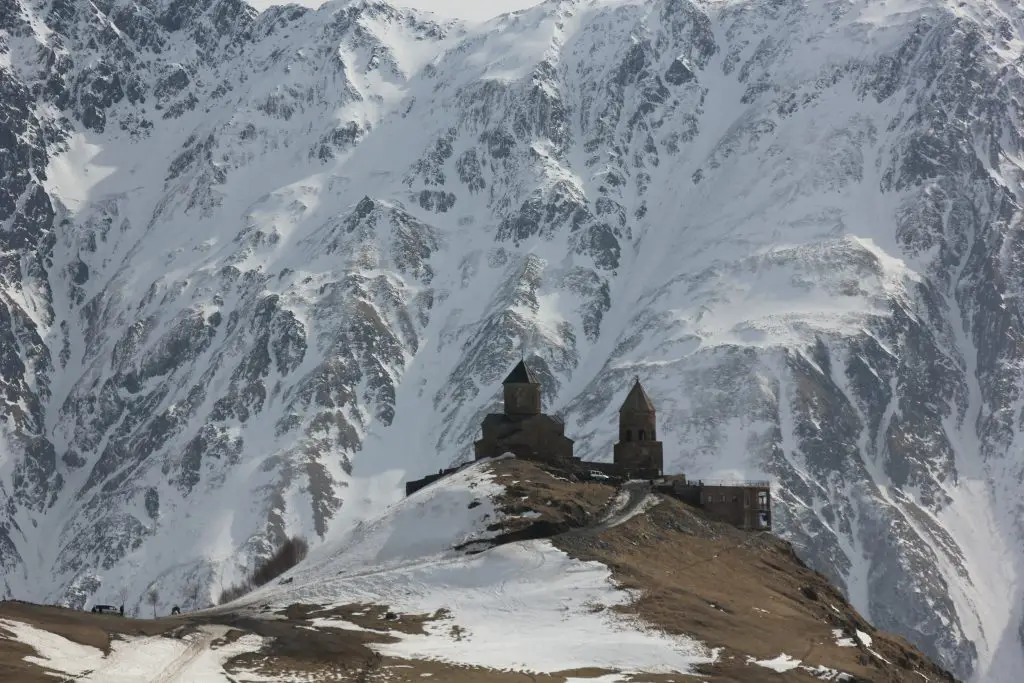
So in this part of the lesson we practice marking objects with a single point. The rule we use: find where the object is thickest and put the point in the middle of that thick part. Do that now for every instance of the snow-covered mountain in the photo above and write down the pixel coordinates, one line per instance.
(257, 269)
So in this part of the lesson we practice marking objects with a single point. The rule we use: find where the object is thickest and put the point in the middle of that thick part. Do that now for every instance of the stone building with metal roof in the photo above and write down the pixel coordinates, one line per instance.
(522, 428)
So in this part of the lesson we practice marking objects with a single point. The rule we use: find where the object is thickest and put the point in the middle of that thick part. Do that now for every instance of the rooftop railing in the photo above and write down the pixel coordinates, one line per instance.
(739, 483)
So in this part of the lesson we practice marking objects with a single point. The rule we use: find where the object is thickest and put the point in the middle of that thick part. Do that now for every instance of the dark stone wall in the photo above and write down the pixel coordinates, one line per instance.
(522, 399)
(538, 445)
(645, 455)
(412, 487)
(533, 437)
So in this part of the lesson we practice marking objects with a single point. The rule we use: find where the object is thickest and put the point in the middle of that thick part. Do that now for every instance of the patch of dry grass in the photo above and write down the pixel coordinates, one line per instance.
(561, 504)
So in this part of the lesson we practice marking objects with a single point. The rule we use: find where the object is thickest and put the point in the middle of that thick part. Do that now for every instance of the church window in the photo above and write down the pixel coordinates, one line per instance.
(641, 437)
(629, 435)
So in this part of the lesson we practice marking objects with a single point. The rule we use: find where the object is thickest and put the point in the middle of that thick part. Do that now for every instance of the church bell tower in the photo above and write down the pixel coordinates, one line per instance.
(522, 392)
(638, 449)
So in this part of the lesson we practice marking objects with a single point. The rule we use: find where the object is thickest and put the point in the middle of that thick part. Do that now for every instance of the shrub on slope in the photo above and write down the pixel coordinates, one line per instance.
(290, 553)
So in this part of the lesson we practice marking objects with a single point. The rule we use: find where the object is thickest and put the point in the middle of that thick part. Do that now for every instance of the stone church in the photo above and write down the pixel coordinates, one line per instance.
(530, 434)
(523, 429)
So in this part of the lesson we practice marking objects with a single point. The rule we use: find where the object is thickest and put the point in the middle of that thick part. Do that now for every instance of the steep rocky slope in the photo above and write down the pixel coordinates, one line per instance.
(257, 269)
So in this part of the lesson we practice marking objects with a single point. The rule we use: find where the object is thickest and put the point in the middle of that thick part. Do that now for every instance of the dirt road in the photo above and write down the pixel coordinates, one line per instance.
(628, 501)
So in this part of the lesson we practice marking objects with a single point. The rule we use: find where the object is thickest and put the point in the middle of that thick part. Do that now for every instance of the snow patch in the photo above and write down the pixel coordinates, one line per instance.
(74, 174)
(841, 640)
(781, 664)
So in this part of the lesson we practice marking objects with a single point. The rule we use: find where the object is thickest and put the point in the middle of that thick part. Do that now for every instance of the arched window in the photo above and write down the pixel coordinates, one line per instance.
(641, 437)
(629, 435)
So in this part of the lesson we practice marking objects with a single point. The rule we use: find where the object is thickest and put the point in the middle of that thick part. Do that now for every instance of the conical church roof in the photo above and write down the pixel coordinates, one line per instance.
(521, 374)
(637, 401)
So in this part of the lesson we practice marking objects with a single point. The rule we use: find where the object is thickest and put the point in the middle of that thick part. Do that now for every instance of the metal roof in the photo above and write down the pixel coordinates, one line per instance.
(637, 401)
(521, 374)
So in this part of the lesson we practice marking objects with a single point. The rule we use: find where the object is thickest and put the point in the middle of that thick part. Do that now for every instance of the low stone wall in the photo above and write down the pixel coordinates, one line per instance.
(412, 487)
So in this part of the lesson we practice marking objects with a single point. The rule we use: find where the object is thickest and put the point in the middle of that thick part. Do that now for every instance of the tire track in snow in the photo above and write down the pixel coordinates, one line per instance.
(173, 672)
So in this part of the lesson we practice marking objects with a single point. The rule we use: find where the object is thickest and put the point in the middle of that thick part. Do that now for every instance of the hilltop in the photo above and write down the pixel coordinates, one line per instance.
(503, 571)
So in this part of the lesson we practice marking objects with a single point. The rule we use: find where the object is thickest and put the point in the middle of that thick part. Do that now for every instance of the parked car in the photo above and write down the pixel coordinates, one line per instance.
(598, 476)
(105, 609)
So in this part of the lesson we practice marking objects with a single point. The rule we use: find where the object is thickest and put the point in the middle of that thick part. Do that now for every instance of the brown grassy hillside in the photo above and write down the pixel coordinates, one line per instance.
(744, 591)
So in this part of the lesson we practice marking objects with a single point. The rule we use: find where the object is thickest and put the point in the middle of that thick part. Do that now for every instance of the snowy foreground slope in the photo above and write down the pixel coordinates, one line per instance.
(257, 270)
(133, 660)
(459, 608)
(524, 606)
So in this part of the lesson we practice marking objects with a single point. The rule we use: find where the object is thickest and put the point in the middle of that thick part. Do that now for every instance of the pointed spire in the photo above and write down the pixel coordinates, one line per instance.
(637, 401)
(521, 374)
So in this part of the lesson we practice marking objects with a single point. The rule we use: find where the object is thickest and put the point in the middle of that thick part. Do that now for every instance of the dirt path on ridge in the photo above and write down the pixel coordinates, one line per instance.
(625, 503)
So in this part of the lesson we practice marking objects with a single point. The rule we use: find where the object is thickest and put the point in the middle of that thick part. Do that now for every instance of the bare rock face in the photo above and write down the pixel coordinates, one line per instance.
(256, 269)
